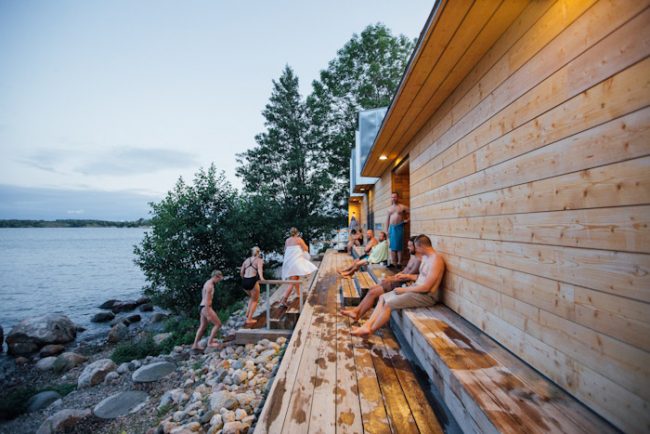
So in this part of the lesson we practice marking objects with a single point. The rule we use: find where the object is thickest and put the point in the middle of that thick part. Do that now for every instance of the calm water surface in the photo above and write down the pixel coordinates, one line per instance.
(66, 270)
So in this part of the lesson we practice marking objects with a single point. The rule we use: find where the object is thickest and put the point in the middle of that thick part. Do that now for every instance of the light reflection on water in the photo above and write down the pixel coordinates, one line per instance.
(66, 270)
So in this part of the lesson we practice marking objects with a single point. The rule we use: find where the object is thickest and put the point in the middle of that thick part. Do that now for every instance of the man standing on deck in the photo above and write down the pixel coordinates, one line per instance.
(395, 221)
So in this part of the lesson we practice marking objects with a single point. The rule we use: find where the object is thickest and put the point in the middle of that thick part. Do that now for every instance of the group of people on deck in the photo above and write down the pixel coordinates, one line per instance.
(415, 286)
(295, 264)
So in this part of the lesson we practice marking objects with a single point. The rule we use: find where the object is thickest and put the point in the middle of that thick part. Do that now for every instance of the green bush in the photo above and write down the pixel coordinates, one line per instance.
(13, 403)
(138, 348)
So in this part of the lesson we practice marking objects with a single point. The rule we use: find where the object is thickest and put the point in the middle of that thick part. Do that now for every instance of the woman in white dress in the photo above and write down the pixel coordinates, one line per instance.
(296, 262)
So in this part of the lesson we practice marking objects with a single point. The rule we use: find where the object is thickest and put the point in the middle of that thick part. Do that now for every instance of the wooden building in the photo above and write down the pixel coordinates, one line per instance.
(520, 139)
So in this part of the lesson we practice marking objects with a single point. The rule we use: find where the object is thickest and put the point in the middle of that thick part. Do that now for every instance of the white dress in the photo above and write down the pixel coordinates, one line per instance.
(296, 263)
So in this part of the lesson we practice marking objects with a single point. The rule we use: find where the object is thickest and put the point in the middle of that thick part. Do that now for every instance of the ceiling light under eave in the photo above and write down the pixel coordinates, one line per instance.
(383, 157)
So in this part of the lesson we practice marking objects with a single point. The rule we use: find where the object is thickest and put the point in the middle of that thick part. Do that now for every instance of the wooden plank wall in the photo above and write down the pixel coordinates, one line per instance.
(381, 200)
(533, 180)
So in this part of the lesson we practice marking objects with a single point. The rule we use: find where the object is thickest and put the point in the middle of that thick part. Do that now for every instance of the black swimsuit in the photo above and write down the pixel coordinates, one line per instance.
(248, 283)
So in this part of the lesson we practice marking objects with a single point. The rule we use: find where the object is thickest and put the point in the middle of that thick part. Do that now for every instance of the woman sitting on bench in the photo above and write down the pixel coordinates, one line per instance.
(423, 293)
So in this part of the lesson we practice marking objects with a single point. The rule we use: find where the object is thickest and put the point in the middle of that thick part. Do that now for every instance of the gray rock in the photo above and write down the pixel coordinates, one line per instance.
(108, 304)
(68, 360)
(160, 337)
(111, 377)
(123, 368)
(133, 318)
(143, 300)
(95, 372)
(63, 421)
(120, 319)
(46, 363)
(118, 333)
(222, 399)
(158, 317)
(42, 400)
(147, 307)
(32, 333)
(206, 417)
(51, 350)
(124, 306)
(102, 317)
(234, 428)
(120, 404)
(153, 372)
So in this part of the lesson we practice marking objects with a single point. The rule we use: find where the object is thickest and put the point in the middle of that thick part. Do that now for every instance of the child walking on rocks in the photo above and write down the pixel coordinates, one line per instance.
(207, 314)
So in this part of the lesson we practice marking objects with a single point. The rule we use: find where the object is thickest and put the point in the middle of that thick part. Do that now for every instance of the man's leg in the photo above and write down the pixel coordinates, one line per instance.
(379, 317)
(214, 319)
(366, 304)
(199, 333)
(399, 258)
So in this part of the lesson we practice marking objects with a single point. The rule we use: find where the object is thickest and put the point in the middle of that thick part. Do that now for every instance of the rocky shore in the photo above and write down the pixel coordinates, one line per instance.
(182, 391)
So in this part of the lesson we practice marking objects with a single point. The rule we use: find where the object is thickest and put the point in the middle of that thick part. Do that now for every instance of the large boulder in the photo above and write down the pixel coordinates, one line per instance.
(102, 317)
(67, 361)
(152, 372)
(32, 333)
(63, 420)
(147, 307)
(95, 372)
(108, 303)
(158, 317)
(120, 404)
(42, 400)
(118, 333)
(143, 300)
(124, 306)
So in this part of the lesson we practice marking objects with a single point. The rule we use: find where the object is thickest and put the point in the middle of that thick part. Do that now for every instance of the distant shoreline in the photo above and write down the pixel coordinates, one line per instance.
(73, 223)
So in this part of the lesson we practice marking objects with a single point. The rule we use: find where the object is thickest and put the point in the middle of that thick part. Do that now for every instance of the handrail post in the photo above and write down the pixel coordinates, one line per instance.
(300, 293)
(268, 308)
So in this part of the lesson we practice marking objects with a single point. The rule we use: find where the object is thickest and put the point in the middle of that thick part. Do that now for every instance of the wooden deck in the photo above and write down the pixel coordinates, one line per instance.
(330, 382)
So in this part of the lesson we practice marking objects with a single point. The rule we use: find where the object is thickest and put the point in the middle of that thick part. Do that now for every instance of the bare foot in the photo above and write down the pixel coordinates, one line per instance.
(197, 348)
(350, 313)
(216, 345)
(251, 322)
(360, 331)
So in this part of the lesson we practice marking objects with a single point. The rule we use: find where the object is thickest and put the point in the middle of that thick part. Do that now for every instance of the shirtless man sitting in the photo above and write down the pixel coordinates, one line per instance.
(378, 254)
(395, 221)
(423, 293)
(207, 314)
(408, 275)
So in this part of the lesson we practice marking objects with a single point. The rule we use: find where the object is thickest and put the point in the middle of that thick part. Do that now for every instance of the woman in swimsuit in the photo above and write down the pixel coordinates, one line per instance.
(251, 272)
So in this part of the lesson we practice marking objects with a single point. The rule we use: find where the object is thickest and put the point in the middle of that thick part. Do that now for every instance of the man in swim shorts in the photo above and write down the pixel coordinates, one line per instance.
(395, 221)
(207, 314)
(423, 293)
(389, 283)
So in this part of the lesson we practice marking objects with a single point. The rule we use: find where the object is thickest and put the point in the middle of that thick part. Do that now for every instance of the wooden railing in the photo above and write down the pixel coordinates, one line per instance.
(268, 284)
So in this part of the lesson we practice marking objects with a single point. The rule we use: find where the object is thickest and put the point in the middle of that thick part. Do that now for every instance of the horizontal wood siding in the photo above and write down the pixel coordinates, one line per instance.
(533, 180)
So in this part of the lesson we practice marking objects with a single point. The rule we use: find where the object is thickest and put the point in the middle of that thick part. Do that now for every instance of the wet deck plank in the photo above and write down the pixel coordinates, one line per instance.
(331, 382)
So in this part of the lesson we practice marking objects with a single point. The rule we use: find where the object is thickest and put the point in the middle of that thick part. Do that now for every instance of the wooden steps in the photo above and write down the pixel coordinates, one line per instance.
(364, 282)
(349, 292)
(485, 387)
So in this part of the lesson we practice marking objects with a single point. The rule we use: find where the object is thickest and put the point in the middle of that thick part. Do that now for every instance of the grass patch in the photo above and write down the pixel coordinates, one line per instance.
(138, 348)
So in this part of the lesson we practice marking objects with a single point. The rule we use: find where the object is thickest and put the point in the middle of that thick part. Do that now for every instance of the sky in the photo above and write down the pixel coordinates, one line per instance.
(103, 105)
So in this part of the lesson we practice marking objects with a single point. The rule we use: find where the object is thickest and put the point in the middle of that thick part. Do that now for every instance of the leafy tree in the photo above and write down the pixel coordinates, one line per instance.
(286, 171)
(193, 231)
(364, 75)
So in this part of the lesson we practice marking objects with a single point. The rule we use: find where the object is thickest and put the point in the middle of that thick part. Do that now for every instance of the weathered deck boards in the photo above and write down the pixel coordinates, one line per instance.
(364, 282)
(330, 382)
(486, 388)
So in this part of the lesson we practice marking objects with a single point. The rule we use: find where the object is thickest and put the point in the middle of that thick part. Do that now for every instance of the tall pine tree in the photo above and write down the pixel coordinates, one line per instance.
(287, 167)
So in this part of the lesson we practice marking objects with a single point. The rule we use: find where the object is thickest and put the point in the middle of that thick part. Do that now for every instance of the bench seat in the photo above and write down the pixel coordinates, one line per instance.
(485, 387)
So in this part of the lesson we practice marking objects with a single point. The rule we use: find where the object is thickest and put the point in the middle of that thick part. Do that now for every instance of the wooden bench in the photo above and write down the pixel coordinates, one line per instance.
(363, 281)
(486, 388)
(349, 293)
